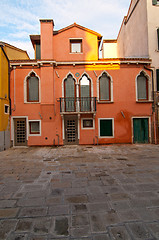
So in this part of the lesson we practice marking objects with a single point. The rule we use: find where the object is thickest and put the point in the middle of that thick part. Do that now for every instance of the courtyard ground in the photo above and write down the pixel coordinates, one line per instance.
(80, 192)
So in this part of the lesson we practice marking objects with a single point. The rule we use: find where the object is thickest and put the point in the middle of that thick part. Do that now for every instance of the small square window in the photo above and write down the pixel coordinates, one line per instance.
(106, 128)
(87, 123)
(76, 45)
(34, 127)
(6, 109)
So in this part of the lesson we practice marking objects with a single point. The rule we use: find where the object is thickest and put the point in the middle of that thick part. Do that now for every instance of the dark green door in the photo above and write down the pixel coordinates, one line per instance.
(141, 132)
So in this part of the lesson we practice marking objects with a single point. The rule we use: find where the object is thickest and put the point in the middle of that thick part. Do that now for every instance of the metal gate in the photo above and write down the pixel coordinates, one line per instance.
(71, 129)
(20, 132)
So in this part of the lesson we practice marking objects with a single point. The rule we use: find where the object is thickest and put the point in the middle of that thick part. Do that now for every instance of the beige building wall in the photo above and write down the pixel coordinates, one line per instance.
(109, 50)
(153, 25)
(132, 38)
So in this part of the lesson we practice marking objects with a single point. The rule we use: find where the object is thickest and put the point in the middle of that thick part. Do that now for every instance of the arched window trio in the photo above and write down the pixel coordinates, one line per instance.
(84, 92)
(77, 97)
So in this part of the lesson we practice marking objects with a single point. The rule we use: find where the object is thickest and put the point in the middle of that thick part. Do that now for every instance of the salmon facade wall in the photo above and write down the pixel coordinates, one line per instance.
(122, 109)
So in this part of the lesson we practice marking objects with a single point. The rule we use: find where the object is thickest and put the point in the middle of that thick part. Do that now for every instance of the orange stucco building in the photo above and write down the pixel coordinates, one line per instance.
(67, 95)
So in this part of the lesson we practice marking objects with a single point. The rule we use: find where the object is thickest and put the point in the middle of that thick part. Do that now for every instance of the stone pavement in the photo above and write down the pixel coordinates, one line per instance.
(80, 192)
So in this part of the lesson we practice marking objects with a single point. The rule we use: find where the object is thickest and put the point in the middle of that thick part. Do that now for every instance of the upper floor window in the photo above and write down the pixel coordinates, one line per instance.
(32, 88)
(76, 45)
(69, 93)
(85, 93)
(142, 87)
(37, 51)
(105, 87)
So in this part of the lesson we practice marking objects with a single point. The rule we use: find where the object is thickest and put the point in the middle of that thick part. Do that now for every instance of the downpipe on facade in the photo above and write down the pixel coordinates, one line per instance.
(153, 103)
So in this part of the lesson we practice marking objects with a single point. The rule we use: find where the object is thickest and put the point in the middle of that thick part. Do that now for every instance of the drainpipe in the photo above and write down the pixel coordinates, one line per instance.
(153, 104)
(14, 108)
(54, 90)
(58, 139)
(4, 141)
(97, 139)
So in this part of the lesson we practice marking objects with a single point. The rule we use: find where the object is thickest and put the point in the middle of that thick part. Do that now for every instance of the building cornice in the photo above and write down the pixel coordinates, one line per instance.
(99, 62)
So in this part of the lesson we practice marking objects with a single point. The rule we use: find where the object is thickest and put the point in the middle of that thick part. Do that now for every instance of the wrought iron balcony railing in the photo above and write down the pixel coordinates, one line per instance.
(83, 104)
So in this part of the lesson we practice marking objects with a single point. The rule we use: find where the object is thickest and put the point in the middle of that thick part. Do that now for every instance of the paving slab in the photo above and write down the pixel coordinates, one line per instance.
(80, 192)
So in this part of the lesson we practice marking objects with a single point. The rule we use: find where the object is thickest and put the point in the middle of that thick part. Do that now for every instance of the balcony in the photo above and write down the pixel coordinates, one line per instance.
(77, 105)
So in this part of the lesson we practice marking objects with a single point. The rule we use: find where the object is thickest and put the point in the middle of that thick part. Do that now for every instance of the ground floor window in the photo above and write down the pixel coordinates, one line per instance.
(106, 127)
(34, 127)
(87, 123)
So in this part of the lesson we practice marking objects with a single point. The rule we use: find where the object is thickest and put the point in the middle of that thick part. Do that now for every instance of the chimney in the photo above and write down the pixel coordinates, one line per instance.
(46, 27)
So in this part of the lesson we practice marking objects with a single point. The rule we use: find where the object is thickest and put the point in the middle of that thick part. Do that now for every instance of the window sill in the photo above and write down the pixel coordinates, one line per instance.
(34, 135)
(106, 137)
(144, 101)
(31, 102)
(105, 102)
(76, 53)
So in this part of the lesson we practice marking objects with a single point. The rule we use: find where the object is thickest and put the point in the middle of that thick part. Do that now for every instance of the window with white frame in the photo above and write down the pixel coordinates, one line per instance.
(32, 88)
(87, 123)
(34, 127)
(105, 88)
(85, 93)
(76, 45)
(106, 127)
(69, 93)
(6, 109)
(142, 87)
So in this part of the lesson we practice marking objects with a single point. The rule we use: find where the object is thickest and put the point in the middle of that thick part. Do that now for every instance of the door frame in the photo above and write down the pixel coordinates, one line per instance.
(13, 130)
(64, 129)
(149, 127)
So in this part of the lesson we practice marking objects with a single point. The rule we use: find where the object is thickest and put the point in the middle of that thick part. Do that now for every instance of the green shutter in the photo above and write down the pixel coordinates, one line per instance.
(141, 132)
(154, 2)
(157, 79)
(158, 37)
(106, 129)
(38, 52)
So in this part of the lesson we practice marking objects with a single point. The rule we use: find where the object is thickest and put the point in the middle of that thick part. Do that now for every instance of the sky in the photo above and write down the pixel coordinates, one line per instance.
(20, 18)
